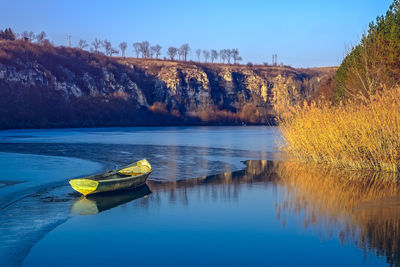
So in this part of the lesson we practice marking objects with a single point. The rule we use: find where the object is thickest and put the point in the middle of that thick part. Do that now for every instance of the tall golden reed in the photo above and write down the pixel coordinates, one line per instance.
(364, 134)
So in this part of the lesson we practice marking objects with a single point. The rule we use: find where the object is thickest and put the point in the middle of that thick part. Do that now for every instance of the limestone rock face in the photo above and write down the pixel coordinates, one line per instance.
(192, 87)
(62, 87)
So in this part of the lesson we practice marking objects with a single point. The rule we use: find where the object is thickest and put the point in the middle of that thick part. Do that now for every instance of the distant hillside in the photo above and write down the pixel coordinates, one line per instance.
(47, 86)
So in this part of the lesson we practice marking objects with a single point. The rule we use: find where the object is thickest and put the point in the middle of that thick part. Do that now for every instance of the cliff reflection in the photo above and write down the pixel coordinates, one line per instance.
(363, 208)
(226, 185)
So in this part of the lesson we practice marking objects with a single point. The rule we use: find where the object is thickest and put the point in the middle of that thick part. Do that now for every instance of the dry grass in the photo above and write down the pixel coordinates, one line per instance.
(364, 134)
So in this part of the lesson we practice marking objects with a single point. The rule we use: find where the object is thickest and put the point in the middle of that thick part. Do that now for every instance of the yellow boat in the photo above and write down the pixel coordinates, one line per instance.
(131, 176)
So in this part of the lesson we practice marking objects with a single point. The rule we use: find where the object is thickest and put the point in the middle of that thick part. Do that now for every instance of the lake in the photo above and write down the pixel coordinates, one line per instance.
(217, 196)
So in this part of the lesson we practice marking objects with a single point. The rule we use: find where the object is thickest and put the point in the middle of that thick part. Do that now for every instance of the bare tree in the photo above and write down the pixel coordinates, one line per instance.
(96, 45)
(228, 54)
(184, 51)
(136, 48)
(109, 49)
(180, 54)
(82, 44)
(206, 55)
(144, 48)
(222, 55)
(123, 47)
(40, 37)
(214, 55)
(172, 51)
(235, 55)
(28, 35)
(198, 54)
(156, 50)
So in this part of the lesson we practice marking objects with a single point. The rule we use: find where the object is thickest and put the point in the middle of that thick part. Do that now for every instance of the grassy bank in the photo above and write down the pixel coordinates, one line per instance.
(364, 134)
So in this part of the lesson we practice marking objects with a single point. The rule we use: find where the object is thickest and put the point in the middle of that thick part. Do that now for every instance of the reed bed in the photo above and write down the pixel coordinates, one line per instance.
(363, 134)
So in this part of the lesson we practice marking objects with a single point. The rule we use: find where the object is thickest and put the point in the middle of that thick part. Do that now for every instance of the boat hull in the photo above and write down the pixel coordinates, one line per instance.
(112, 181)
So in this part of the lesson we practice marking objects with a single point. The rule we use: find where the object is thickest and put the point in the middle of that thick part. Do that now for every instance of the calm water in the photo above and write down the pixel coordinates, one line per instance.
(202, 206)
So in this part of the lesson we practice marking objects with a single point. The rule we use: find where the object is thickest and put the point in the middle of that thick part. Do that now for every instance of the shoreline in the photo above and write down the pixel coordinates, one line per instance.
(24, 184)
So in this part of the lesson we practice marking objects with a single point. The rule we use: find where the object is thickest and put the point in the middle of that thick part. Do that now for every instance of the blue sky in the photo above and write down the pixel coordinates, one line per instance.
(303, 33)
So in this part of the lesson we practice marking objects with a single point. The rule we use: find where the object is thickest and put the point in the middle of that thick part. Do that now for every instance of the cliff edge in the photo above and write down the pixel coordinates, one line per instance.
(43, 86)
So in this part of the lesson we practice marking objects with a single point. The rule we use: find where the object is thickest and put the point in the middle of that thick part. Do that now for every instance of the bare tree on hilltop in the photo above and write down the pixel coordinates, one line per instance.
(172, 51)
(206, 55)
(214, 55)
(96, 45)
(222, 55)
(123, 47)
(29, 36)
(109, 49)
(144, 48)
(82, 44)
(184, 51)
(136, 48)
(228, 54)
(41, 37)
(235, 55)
(156, 50)
(198, 54)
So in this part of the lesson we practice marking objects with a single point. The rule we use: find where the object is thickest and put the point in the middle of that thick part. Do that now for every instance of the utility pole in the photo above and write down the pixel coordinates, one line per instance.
(69, 40)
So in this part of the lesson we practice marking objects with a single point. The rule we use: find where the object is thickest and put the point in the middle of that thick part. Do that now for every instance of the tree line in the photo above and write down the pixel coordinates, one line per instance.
(140, 49)
(146, 50)
(40, 38)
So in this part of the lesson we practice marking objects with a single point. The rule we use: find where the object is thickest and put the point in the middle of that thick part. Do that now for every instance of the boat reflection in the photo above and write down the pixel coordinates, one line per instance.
(94, 204)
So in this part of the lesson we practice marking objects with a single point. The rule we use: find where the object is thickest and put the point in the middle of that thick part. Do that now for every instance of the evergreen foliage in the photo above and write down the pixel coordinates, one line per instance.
(374, 63)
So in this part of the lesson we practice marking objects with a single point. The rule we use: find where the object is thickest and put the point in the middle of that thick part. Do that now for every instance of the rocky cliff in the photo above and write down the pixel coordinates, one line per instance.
(46, 86)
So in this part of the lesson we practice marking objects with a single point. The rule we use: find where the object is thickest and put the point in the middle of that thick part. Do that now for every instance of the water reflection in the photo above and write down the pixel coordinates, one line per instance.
(94, 204)
(226, 185)
(169, 162)
(359, 207)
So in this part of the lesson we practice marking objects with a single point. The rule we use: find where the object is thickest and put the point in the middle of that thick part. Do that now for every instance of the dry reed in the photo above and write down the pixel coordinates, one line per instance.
(364, 134)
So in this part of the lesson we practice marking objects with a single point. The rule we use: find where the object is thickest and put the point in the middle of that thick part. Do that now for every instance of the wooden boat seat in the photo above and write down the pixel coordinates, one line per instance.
(135, 170)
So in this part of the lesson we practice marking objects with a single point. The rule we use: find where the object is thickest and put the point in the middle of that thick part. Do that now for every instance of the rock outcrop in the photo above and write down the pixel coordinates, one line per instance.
(46, 86)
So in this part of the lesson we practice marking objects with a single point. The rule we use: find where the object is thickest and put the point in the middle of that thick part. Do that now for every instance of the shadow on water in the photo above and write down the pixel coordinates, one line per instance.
(94, 204)
(362, 209)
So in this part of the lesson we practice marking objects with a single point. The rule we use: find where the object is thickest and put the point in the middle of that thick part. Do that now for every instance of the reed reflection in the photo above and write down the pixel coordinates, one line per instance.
(359, 207)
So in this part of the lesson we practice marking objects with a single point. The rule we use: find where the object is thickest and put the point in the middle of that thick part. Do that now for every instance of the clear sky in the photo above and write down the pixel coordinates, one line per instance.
(302, 33)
